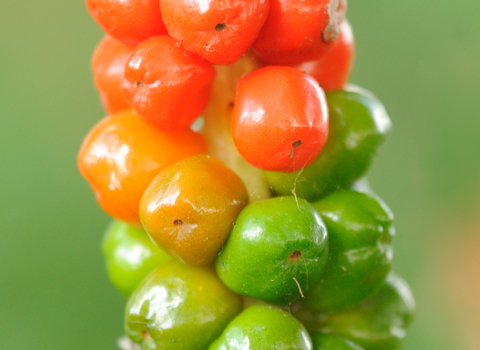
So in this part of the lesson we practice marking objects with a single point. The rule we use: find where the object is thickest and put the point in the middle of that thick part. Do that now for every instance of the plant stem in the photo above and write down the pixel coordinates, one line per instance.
(217, 127)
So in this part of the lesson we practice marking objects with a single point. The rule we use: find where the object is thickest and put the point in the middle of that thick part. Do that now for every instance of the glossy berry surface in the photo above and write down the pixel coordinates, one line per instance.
(130, 21)
(280, 119)
(259, 328)
(108, 65)
(167, 85)
(358, 126)
(296, 32)
(333, 70)
(190, 207)
(130, 255)
(276, 251)
(121, 156)
(360, 232)
(332, 342)
(215, 103)
(379, 322)
(179, 307)
(220, 31)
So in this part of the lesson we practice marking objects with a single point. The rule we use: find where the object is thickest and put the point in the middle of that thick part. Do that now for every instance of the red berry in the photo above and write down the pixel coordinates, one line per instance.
(220, 31)
(130, 21)
(299, 31)
(333, 70)
(167, 85)
(280, 119)
(108, 65)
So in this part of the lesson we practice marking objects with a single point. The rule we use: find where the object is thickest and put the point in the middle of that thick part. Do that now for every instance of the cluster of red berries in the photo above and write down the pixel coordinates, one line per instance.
(167, 77)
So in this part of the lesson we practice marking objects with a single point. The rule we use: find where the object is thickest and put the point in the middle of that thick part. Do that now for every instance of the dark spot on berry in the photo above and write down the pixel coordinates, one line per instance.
(140, 84)
(223, 264)
(220, 27)
(178, 222)
(385, 236)
(295, 255)
(231, 104)
(297, 144)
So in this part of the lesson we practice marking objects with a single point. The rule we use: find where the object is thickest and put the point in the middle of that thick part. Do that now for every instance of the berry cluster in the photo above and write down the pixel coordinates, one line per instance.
(232, 160)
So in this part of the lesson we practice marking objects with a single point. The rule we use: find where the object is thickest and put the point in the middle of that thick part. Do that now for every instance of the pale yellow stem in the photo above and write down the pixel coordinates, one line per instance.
(217, 128)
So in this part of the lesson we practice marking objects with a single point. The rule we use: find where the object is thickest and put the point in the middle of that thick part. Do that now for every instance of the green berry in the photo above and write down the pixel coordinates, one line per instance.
(130, 255)
(260, 328)
(276, 251)
(332, 342)
(359, 125)
(379, 323)
(179, 307)
(360, 234)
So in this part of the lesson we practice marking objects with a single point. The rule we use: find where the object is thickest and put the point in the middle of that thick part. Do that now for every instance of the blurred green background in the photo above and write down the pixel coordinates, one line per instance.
(421, 58)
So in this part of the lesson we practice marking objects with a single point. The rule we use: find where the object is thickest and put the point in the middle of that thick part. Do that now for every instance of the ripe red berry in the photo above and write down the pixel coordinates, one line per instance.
(280, 119)
(108, 65)
(167, 85)
(130, 21)
(296, 32)
(220, 31)
(333, 70)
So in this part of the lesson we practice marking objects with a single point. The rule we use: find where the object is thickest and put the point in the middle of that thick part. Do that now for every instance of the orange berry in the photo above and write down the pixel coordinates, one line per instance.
(122, 154)
(189, 208)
